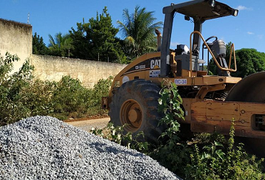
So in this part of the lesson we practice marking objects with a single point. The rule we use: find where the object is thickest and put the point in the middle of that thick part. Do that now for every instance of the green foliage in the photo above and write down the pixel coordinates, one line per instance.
(138, 29)
(21, 96)
(101, 89)
(96, 39)
(223, 161)
(12, 84)
(38, 97)
(70, 97)
(61, 45)
(170, 104)
(249, 61)
(117, 135)
(171, 152)
(38, 46)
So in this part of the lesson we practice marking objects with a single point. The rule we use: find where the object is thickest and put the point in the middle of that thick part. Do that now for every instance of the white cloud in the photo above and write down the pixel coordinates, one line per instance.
(250, 33)
(241, 8)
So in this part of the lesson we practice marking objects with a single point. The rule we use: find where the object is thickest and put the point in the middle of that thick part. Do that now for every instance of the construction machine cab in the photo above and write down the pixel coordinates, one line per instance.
(199, 11)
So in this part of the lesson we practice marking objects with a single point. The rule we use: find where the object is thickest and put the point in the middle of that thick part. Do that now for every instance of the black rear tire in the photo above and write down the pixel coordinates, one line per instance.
(135, 104)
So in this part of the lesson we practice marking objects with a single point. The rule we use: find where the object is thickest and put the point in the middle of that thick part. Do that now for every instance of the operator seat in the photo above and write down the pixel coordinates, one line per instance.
(218, 48)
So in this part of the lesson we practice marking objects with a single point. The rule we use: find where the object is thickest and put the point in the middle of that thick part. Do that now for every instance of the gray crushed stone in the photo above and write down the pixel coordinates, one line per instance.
(43, 147)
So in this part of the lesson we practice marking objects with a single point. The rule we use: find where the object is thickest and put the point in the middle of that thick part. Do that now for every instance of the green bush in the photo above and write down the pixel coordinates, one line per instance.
(12, 106)
(37, 97)
(117, 135)
(22, 97)
(101, 89)
(70, 98)
(217, 160)
(208, 156)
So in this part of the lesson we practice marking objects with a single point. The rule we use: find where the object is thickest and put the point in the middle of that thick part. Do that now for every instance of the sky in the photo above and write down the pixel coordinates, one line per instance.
(247, 30)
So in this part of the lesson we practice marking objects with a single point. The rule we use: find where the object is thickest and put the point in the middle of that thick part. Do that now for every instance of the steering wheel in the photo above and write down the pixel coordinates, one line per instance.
(209, 44)
(211, 38)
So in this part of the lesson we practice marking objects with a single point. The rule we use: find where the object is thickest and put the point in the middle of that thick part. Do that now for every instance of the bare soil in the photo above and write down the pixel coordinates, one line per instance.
(88, 124)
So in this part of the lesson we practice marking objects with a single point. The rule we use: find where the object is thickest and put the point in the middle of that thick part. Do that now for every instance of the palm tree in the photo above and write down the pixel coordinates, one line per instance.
(61, 45)
(138, 29)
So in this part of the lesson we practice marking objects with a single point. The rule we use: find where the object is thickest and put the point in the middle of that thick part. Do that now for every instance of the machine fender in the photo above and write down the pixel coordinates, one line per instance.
(249, 89)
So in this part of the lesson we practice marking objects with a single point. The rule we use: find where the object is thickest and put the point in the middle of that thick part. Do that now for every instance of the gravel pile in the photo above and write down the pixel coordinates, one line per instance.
(46, 148)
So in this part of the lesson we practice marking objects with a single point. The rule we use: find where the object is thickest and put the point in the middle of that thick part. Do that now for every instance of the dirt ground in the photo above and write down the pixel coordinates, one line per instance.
(88, 124)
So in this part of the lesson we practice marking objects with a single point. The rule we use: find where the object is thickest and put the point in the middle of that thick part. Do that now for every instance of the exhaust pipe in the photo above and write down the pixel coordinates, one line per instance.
(159, 37)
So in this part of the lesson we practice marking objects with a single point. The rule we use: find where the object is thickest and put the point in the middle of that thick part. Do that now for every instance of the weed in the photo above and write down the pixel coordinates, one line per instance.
(171, 152)
(118, 135)
(223, 161)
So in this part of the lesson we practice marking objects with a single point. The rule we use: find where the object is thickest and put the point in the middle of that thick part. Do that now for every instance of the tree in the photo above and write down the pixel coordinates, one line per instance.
(249, 61)
(61, 45)
(38, 46)
(96, 39)
(138, 29)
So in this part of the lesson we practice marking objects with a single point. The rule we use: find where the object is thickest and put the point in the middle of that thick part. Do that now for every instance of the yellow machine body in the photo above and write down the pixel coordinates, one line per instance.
(204, 115)
(210, 102)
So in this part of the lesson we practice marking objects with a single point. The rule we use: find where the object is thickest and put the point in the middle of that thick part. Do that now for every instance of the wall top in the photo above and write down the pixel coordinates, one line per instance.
(9, 22)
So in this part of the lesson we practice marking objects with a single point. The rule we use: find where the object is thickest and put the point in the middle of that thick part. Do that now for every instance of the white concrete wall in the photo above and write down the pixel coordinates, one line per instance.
(16, 38)
(53, 68)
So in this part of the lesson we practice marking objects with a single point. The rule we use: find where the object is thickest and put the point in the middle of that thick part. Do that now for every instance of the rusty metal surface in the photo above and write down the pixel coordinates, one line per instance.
(217, 116)
(250, 89)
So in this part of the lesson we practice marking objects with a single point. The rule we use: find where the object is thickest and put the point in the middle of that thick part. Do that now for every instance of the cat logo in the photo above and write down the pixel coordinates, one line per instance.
(155, 64)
